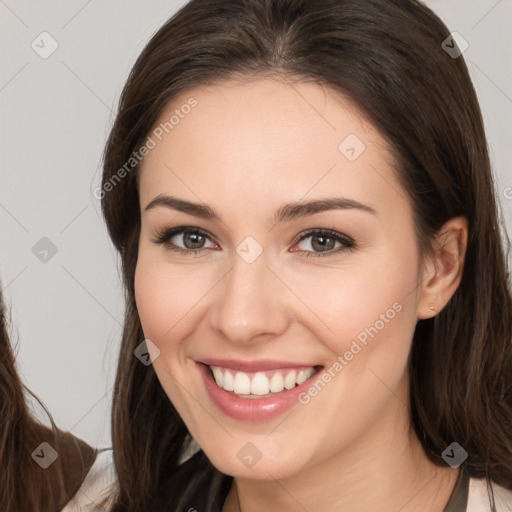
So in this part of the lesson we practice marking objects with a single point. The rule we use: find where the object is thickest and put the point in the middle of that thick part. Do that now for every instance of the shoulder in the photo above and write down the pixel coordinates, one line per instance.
(478, 497)
(96, 486)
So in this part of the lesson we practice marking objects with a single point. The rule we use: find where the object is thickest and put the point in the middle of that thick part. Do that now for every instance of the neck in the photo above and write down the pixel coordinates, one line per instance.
(386, 469)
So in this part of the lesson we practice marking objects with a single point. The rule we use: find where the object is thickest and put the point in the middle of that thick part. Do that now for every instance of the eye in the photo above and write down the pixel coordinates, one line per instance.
(324, 241)
(192, 240)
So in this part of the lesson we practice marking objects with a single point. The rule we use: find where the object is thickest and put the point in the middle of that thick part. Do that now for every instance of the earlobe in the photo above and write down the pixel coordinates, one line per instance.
(443, 271)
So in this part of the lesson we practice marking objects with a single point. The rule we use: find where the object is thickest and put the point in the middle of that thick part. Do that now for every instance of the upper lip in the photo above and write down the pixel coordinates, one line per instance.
(254, 365)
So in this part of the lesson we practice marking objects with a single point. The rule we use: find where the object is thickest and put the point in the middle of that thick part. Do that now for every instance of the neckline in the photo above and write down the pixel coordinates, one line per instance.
(458, 501)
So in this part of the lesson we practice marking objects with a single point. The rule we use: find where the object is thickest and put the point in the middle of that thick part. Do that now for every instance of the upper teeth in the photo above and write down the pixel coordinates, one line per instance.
(260, 383)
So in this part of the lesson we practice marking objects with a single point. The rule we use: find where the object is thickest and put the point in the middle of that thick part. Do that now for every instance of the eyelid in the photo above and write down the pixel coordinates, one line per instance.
(347, 242)
(325, 231)
(164, 235)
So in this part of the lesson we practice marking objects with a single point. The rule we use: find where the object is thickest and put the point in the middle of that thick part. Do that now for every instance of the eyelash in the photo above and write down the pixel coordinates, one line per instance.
(163, 237)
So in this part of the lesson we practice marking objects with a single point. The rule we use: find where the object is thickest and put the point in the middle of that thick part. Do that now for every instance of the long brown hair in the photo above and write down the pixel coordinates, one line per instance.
(24, 484)
(387, 57)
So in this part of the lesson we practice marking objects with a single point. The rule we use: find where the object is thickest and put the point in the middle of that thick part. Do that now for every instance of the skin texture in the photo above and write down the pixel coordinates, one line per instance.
(246, 149)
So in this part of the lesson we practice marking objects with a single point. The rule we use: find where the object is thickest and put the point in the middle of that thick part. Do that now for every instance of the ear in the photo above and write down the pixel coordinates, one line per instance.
(442, 272)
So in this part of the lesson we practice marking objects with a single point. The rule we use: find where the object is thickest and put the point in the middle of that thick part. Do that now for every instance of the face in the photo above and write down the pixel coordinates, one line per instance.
(304, 313)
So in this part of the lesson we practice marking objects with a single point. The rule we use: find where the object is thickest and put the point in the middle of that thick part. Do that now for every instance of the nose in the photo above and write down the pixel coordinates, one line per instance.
(250, 304)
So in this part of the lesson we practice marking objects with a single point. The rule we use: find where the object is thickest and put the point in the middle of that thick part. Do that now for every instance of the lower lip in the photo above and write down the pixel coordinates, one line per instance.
(257, 409)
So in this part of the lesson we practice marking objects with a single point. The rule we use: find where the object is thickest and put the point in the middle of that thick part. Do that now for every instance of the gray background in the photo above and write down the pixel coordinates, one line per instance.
(56, 113)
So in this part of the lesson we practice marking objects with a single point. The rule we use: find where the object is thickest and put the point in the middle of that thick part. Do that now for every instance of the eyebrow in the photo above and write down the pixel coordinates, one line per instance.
(286, 213)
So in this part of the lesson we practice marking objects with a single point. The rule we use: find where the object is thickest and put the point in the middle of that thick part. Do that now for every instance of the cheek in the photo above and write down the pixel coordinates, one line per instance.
(165, 297)
(152, 296)
(373, 298)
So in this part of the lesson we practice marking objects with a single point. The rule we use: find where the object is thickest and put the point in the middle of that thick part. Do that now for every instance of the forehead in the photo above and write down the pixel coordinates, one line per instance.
(241, 109)
(265, 136)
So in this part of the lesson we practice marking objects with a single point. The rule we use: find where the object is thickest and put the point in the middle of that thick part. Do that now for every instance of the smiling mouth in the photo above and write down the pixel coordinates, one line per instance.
(263, 384)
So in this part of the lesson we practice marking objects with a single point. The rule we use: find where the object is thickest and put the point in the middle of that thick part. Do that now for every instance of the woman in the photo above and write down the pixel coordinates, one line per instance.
(42, 468)
(301, 195)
